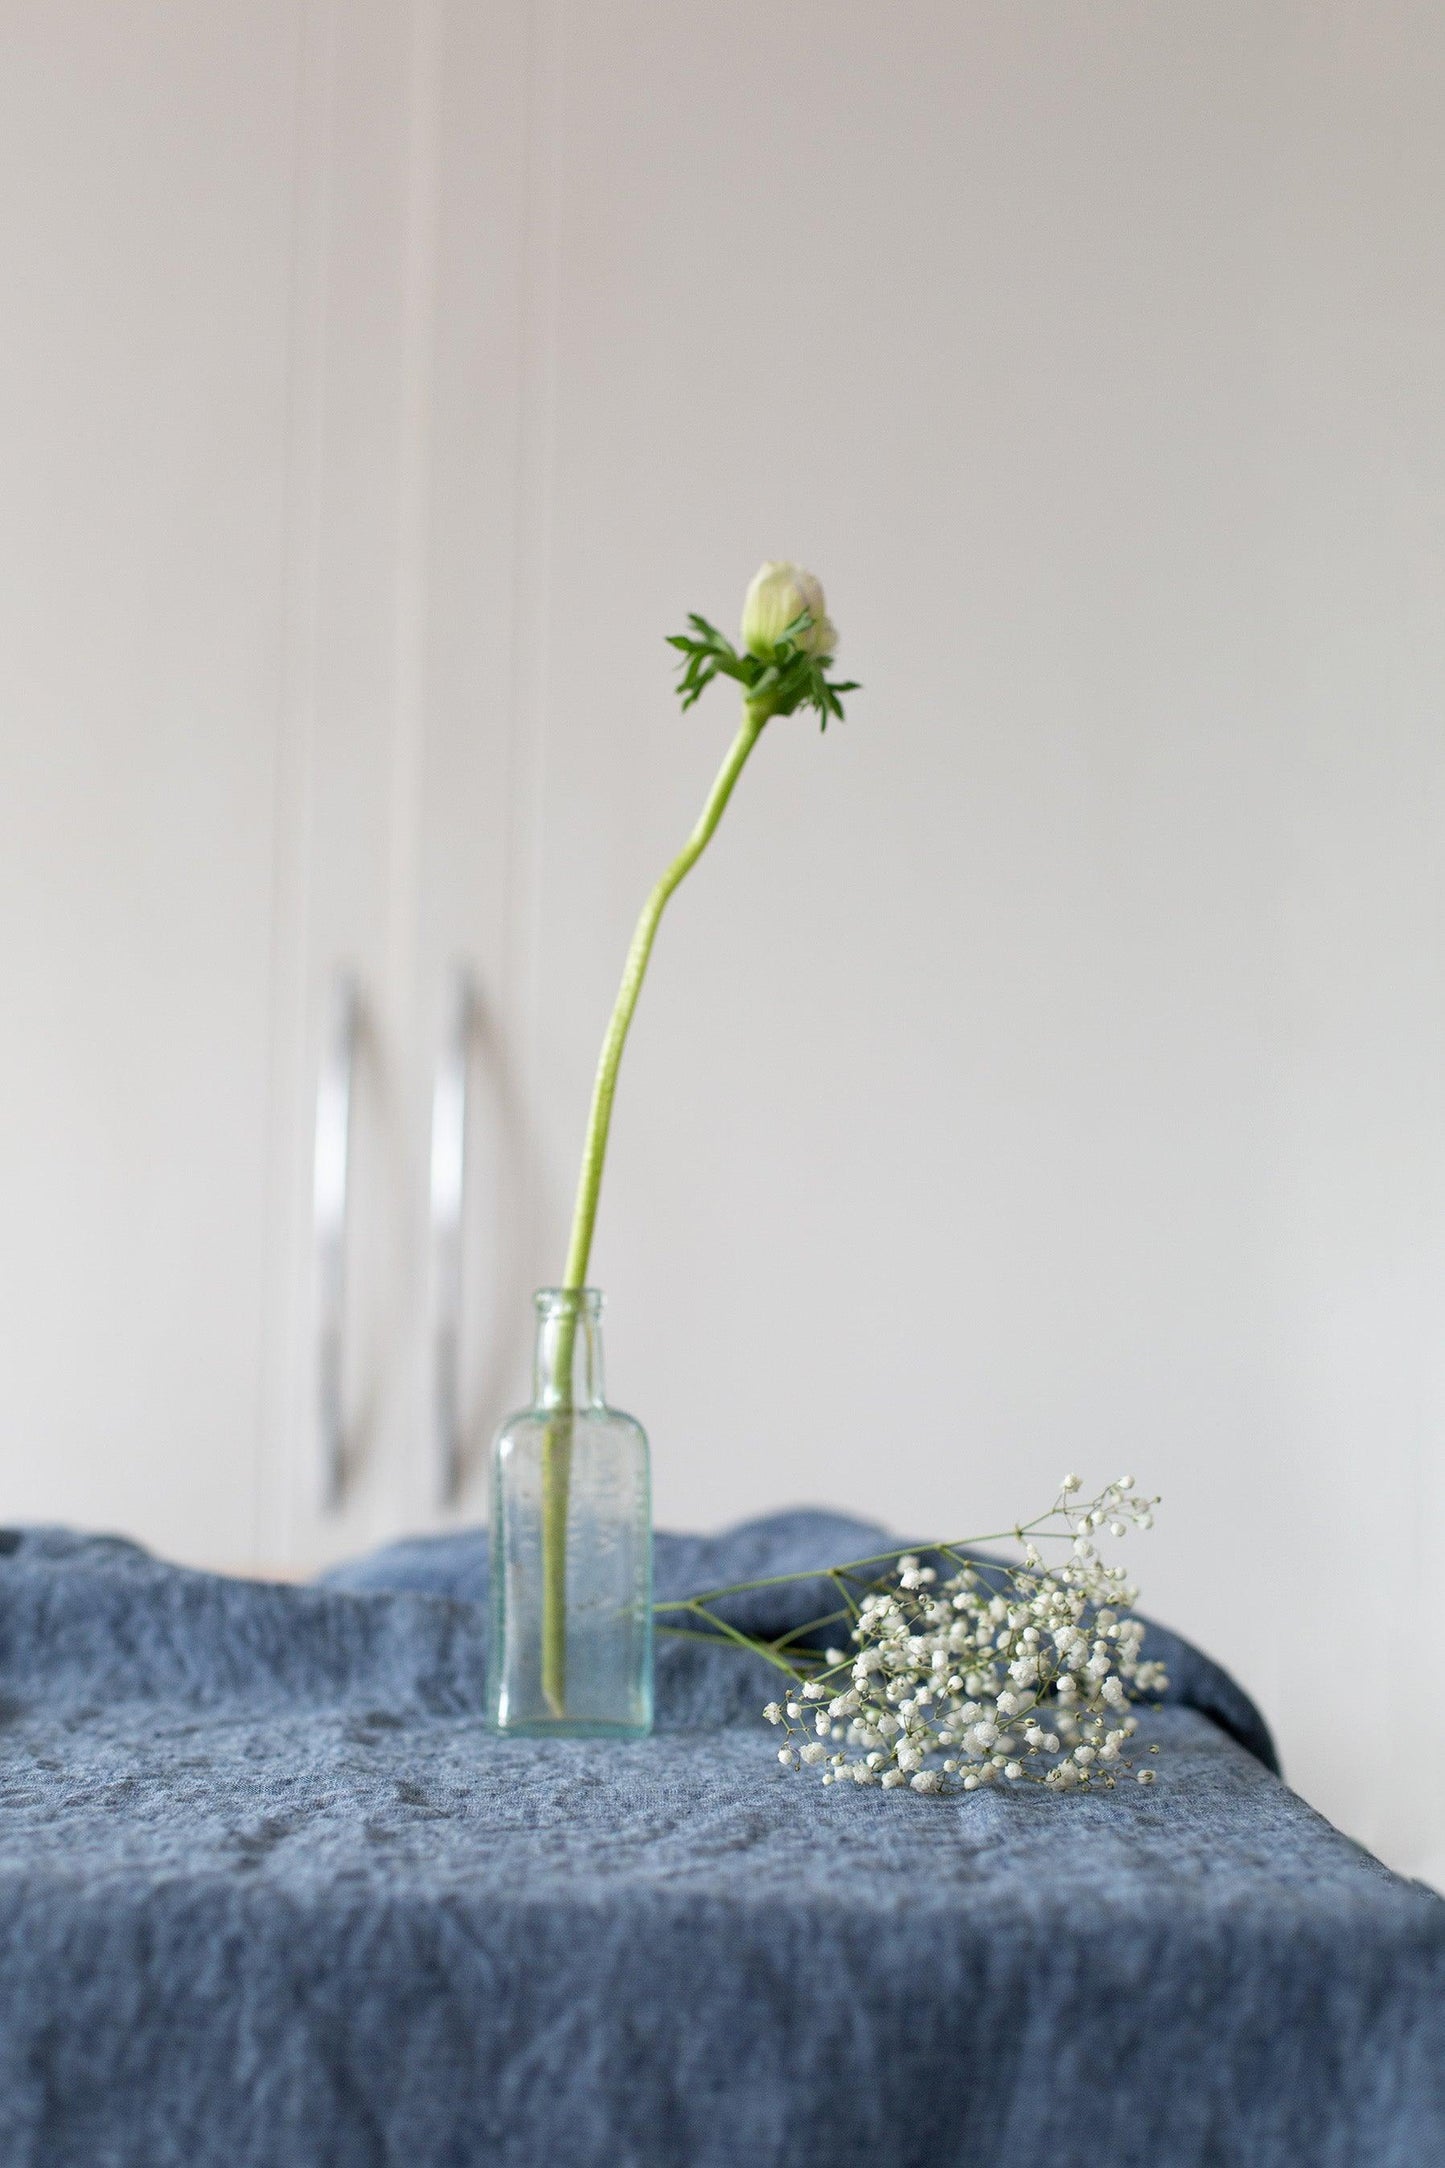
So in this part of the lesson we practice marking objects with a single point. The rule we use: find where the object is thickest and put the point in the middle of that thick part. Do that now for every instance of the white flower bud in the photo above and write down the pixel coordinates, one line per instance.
(773, 1713)
(780, 592)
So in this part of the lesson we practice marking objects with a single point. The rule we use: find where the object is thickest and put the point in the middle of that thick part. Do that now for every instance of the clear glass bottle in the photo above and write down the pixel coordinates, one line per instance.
(570, 1654)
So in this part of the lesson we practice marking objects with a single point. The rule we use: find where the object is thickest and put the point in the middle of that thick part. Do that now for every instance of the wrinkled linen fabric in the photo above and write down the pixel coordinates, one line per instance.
(272, 1897)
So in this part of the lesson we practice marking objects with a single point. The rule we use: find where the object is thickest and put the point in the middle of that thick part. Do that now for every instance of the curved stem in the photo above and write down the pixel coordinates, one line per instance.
(557, 1443)
(605, 1084)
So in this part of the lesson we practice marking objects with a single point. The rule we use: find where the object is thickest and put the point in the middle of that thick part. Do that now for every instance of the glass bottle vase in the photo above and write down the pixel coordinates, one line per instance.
(570, 1653)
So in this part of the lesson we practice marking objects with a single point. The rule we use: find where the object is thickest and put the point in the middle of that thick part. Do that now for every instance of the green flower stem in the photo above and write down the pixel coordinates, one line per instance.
(600, 1119)
(720, 1629)
(853, 1567)
(557, 1442)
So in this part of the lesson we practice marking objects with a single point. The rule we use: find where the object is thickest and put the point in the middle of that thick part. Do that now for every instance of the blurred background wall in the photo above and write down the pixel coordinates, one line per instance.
(1046, 1069)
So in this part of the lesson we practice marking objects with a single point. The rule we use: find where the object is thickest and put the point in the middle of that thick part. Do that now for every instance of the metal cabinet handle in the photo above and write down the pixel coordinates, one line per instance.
(448, 1196)
(330, 1201)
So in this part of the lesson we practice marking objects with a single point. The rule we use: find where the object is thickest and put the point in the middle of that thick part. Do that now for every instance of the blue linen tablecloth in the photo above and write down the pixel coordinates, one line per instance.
(271, 1896)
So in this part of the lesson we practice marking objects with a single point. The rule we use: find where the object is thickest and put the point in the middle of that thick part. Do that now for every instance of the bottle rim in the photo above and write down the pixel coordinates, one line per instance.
(586, 1300)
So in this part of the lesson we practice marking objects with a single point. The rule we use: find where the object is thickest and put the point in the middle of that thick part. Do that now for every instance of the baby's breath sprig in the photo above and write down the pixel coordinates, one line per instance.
(972, 1671)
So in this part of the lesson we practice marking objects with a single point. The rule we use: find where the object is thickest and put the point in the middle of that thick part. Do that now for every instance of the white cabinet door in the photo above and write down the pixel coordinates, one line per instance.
(406, 453)
(258, 455)
(147, 160)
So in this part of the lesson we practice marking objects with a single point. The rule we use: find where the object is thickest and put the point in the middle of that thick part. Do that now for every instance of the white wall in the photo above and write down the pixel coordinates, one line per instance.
(1045, 1068)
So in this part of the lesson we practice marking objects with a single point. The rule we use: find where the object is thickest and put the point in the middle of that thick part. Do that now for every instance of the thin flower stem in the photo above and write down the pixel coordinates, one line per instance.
(772, 1652)
(557, 1441)
(960, 1546)
(779, 1580)
(814, 1573)
(697, 1606)
(742, 1641)
(600, 1118)
(813, 1626)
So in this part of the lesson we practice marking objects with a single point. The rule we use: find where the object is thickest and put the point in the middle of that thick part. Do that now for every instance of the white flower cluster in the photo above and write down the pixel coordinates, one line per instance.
(990, 1673)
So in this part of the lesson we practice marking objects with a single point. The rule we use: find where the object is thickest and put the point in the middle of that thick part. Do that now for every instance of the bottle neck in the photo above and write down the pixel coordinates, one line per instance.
(567, 1366)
